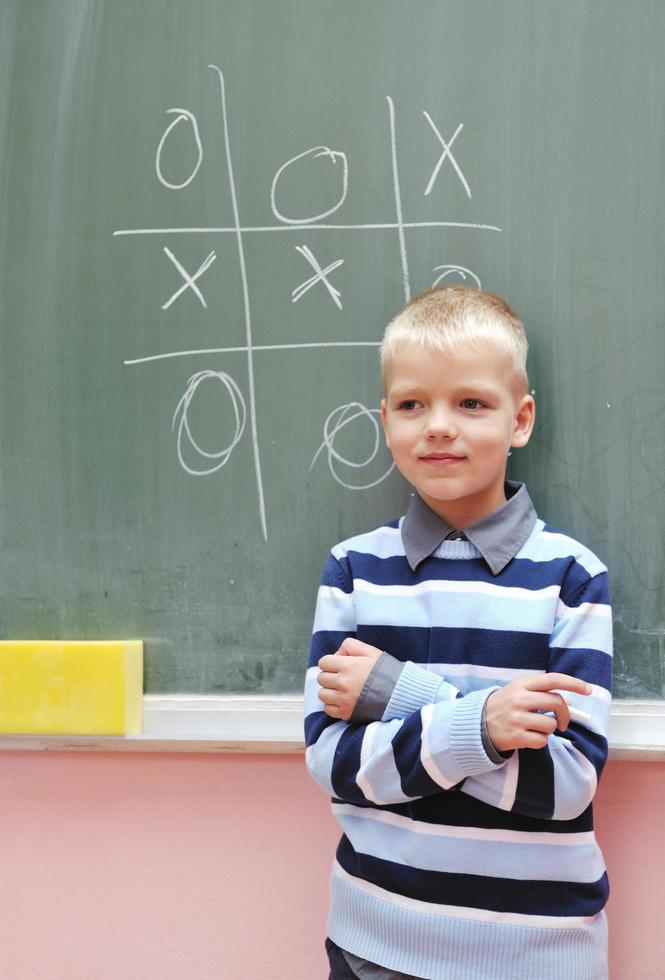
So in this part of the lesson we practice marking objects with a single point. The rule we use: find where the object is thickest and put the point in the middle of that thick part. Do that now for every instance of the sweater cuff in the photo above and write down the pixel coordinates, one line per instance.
(415, 688)
(466, 734)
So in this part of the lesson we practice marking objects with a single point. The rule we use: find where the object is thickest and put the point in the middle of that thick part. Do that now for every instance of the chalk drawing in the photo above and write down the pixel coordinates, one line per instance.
(455, 270)
(321, 275)
(246, 307)
(244, 412)
(190, 281)
(257, 348)
(180, 422)
(398, 202)
(338, 420)
(247, 229)
(446, 154)
(315, 152)
(183, 116)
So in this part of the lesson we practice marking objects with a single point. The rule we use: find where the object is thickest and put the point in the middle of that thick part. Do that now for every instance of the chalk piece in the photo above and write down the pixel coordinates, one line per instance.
(71, 687)
(577, 714)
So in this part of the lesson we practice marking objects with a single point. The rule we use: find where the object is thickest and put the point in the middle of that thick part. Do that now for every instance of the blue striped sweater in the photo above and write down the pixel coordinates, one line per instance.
(451, 866)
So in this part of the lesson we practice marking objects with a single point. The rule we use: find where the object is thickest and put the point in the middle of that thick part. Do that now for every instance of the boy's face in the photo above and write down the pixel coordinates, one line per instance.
(450, 420)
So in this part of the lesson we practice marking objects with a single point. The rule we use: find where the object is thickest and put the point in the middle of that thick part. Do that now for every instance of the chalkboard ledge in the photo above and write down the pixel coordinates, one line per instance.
(239, 723)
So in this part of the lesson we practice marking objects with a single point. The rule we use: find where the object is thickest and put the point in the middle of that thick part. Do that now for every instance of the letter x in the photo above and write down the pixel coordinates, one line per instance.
(320, 276)
(446, 153)
(190, 281)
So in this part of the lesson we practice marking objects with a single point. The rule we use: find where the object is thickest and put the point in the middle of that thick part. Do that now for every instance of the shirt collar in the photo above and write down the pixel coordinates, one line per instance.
(498, 536)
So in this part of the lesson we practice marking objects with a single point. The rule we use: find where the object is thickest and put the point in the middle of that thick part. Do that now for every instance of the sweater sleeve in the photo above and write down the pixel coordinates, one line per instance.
(433, 747)
(558, 782)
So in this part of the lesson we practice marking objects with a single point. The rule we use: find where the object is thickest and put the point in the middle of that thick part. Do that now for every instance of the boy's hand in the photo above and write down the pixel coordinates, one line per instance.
(513, 717)
(343, 675)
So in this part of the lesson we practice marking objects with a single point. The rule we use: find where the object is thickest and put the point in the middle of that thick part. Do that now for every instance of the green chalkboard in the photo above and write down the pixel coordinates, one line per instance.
(209, 210)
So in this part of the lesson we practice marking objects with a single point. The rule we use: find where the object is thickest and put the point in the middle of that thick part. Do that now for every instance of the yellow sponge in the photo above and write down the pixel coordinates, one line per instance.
(71, 688)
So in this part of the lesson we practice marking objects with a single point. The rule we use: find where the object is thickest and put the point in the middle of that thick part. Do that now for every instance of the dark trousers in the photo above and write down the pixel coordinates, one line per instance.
(339, 968)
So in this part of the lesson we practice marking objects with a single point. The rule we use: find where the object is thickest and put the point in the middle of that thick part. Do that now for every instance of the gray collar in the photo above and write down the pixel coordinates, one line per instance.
(498, 536)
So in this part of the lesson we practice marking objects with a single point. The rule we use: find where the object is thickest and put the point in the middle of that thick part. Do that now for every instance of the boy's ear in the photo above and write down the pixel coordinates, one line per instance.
(384, 420)
(525, 416)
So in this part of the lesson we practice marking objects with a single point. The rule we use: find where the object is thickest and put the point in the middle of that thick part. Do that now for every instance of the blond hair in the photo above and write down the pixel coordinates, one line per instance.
(446, 316)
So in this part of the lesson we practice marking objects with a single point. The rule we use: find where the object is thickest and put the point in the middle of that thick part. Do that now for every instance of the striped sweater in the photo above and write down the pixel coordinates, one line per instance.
(450, 865)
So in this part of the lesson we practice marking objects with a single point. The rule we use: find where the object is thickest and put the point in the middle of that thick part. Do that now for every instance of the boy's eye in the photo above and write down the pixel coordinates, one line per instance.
(470, 403)
(408, 404)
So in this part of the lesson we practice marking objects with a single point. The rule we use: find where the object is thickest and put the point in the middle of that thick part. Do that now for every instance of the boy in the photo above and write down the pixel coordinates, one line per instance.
(434, 713)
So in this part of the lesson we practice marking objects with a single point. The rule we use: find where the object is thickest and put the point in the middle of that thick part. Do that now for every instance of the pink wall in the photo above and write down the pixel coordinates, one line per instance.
(214, 867)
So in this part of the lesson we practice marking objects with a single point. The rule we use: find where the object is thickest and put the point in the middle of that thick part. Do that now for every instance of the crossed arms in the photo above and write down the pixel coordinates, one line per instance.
(429, 738)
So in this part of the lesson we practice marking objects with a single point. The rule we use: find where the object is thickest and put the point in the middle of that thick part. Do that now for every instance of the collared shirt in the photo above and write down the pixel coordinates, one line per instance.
(498, 537)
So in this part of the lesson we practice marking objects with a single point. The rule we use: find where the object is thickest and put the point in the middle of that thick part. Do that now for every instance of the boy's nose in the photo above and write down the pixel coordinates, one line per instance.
(440, 424)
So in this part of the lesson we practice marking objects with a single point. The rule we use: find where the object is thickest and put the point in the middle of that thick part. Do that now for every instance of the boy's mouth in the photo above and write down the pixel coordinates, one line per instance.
(441, 458)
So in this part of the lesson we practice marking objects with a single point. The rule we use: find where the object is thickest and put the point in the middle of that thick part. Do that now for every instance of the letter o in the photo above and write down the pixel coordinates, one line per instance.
(315, 151)
(183, 116)
(221, 457)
